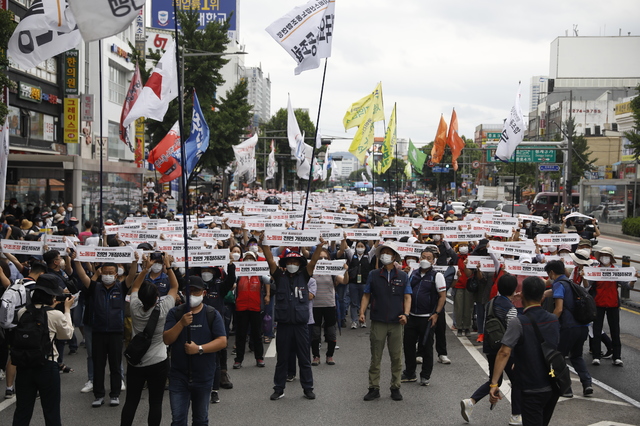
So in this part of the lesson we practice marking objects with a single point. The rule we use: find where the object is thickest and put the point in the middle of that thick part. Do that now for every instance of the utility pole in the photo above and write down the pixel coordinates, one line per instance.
(570, 130)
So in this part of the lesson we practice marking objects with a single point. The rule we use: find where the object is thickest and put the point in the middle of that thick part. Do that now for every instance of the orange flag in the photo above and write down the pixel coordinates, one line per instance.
(440, 142)
(455, 142)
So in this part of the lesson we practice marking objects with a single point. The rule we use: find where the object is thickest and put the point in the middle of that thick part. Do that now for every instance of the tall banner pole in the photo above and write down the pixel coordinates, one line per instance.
(101, 140)
(313, 152)
(513, 197)
(183, 164)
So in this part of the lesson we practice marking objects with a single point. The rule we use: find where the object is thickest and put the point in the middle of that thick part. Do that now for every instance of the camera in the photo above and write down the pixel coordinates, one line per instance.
(63, 297)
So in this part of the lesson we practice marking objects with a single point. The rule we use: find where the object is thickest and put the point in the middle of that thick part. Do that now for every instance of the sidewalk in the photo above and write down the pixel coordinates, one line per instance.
(613, 230)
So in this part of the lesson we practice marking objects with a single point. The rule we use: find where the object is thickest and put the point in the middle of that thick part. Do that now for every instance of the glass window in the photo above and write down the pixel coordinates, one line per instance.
(122, 194)
(15, 122)
(116, 148)
(117, 83)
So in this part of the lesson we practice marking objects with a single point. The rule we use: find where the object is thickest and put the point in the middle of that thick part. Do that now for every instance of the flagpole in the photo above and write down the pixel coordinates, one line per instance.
(313, 152)
(101, 141)
(513, 197)
(183, 180)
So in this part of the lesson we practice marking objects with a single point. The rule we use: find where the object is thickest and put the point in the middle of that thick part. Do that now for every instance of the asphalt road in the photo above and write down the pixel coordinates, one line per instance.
(340, 389)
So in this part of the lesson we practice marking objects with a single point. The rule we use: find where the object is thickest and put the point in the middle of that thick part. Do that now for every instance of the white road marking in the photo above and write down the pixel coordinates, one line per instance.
(271, 350)
(7, 403)
(611, 390)
(605, 401)
(608, 423)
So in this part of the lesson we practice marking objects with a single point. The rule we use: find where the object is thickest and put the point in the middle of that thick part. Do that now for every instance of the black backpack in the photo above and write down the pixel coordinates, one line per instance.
(493, 328)
(141, 342)
(31, 343)
(584, 305)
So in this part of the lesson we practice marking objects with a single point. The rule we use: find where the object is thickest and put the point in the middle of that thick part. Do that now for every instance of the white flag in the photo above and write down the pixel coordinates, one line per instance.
(325, 165)
(103, 18)
(303, 163)
(513, 132)
(4, 157)
(246, 158)
(293, 130)
(271, 163)
(318, 139)
(47, 30)
(364, 178)
(160, 89)
(306, 33)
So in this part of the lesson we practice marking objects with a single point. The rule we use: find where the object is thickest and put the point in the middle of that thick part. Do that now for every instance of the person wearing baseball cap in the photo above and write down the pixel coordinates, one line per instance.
(389, 292)
(607, 303)
(291, 275)
(193, 358)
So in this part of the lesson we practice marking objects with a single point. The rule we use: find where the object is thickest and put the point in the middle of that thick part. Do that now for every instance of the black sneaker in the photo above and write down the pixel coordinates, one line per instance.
(9, 393)
(291, 377)
(587, 391)
(308, 393)
(372, 394)
(395, 394)
(276, 395)
(225, 380)
(406, 378)
(214, 397)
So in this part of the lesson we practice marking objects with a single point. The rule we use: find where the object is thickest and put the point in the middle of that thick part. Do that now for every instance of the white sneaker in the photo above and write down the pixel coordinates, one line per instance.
(617, 362)
(515, 420)
(88, 387)
(123, 387)
(596, 361)
(443, 359)
(2, 375)
(114, 402)
(466, 408)
(363, 325)
(418, 360)
(354, 325)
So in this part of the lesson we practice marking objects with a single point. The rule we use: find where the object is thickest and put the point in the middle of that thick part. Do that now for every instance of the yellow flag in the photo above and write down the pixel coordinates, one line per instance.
(389, 144)
(355, 115)
(371, 112)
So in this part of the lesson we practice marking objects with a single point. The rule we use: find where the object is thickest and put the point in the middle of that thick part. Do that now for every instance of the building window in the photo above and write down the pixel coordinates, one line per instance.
(116, 148)
(117, 85)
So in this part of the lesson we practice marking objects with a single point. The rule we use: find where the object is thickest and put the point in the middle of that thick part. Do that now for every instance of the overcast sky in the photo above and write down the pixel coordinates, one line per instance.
(430, 56)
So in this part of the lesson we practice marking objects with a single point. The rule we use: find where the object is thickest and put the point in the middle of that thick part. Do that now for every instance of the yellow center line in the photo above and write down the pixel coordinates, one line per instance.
(630, 310)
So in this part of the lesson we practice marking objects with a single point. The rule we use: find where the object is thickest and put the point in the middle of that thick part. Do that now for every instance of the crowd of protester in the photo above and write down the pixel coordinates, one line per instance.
(395, 284)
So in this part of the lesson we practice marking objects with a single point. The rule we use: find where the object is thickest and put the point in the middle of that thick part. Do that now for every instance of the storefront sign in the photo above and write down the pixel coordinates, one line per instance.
(121, 52)
(139, 143)
(71, 72)
(30, 92)
(139, 25)
(71, 122)
(87, 108)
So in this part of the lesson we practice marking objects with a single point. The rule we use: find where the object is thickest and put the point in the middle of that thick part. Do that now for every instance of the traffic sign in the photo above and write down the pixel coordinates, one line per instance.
(430, 163)
(465, 176)
(475, 164)
(494, 136)
(549, 168)
(440, 169)
(530, 154)
(463, 184)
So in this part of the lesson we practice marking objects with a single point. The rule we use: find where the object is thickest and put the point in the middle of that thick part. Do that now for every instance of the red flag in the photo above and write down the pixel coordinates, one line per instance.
(440, 142)
(132, 95)
(455, 142)
(162, 156)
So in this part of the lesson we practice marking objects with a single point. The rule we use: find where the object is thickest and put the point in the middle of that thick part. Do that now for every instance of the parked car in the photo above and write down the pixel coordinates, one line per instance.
(517, 209)
(458, 207)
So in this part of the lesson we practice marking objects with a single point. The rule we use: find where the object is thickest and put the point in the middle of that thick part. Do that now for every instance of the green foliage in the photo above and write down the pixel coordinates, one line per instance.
(7, 26)
(634, 135)
(631, 226)
(392, 179)
(276, 129)
(228, 115)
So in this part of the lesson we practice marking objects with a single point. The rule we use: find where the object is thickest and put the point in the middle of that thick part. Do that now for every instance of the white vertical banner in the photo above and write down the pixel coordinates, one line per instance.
(4, 158)
(512, 133)
(246, 158)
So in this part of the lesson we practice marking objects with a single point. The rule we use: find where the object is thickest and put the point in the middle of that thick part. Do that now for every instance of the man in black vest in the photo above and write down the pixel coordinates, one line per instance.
(389, 291)
(538, 398)
(429, 294)
(291, 275)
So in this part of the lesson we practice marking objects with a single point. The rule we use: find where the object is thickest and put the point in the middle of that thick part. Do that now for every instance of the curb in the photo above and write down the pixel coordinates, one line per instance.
(631, 304)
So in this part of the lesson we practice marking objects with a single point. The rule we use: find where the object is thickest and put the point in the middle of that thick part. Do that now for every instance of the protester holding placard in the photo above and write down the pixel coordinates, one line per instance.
(463, 298)
(359, 268)
(607, 300)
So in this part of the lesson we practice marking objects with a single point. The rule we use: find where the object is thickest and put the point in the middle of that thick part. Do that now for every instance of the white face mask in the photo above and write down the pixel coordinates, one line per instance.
(253, 249)
(292, 269)
(553, 249)
(108, 279)
(156, 267)
(436, 238)
(69, 209)
(195, 300)
(235, 256)
(464, 250)
(207, 276)
(425, 264)
(121, 271)
(182, 270)
(605, 260)
(360, 250)
(62, 264)
(386, 259)
(545, 249)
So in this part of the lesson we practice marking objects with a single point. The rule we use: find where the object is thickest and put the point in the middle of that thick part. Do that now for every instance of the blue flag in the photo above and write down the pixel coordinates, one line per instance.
(198, 140)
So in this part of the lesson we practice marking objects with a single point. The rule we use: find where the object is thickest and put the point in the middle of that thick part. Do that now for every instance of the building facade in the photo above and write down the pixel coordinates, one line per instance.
(259, 87)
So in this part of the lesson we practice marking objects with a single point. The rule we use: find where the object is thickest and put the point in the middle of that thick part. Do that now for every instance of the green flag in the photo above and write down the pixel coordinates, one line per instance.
(416, 157)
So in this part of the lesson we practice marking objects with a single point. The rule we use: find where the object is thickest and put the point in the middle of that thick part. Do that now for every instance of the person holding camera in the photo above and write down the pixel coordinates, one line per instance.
(105, 301)
(43, 380)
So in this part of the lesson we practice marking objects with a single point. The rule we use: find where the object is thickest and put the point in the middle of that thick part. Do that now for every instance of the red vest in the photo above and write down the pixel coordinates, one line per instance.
(249, 294)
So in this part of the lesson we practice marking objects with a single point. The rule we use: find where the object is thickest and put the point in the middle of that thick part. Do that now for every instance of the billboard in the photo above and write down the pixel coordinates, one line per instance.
(162, 16)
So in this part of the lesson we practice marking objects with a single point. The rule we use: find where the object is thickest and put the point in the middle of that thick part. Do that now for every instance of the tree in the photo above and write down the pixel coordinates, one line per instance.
(276, 129)
(7, 26)
(391, 180)
(228, 115)
(633, 136)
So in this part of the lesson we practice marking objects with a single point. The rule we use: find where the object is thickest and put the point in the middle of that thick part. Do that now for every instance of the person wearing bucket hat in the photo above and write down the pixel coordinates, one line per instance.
(44, 379)
(389, 292)
(607, 303)
(291, 275)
